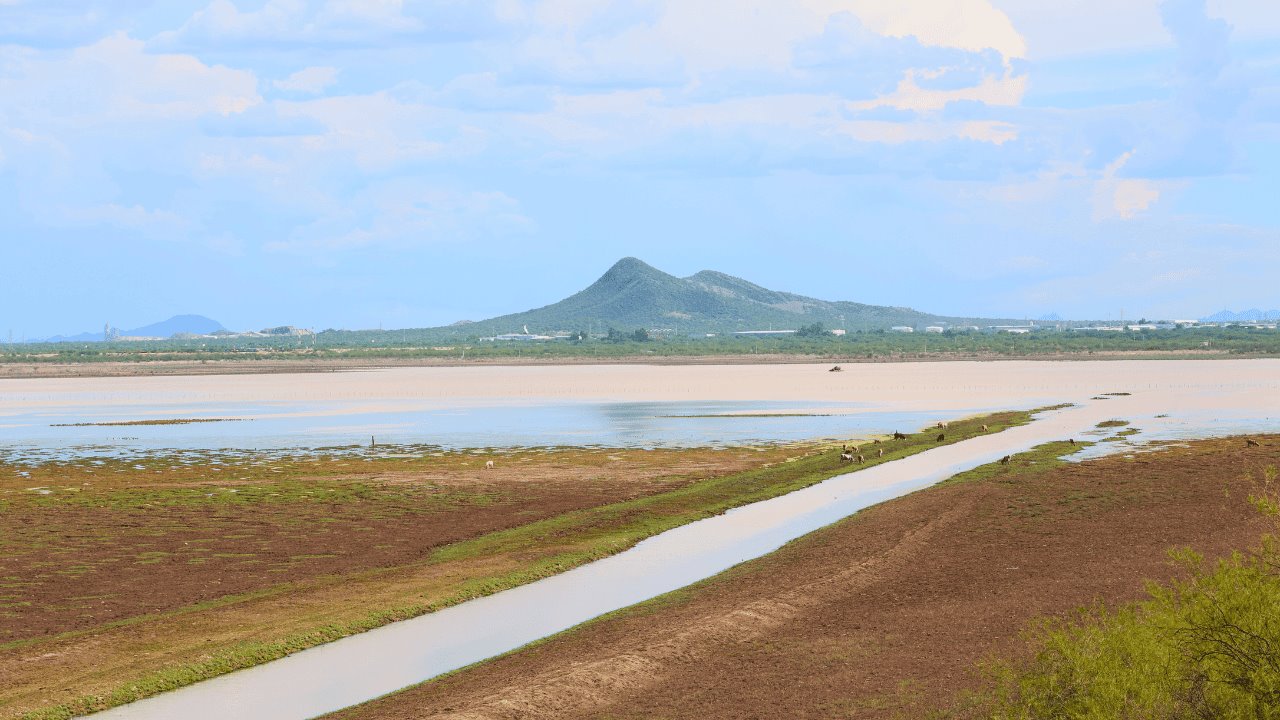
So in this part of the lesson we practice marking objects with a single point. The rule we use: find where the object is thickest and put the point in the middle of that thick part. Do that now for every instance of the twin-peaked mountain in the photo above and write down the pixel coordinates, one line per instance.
(633, 294)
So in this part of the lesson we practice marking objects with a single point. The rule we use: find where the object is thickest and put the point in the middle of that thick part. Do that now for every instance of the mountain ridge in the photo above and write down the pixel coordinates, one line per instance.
(634, 294)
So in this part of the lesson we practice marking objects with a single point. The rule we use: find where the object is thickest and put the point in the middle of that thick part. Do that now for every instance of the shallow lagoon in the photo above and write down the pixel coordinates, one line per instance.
(46, 435)
(425, 409)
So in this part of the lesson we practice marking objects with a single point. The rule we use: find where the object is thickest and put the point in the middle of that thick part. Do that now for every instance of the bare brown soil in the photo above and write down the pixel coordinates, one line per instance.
(883, 615)
(308, 365)
(78, 542)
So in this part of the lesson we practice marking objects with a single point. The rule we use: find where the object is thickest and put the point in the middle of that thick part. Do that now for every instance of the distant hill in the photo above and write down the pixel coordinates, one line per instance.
(192, 324)
(1251, 315)
(178, 324)
(633, 294)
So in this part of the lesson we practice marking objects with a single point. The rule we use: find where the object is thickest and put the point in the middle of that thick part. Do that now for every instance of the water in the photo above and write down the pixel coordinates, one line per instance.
(48, 434)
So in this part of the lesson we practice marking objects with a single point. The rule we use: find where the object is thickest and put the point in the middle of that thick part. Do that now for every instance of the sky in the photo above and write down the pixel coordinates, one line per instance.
(392, 163)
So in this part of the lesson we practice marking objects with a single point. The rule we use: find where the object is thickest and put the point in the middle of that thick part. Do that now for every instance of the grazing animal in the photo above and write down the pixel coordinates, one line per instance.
(899, 436)
(881, 452)
(861, 459)
(1072, 441)
(984, 428)
(876, 442)
(942, 436)
(846, 457)
(1004, 460)
(488, 464)
(1251, 443)
(836, 368)
(942, 426)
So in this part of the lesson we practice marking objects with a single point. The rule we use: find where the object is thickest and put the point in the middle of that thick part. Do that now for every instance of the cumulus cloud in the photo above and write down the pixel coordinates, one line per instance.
(1121, 197)
(1196, 138)
(115, 79)
(312, 80)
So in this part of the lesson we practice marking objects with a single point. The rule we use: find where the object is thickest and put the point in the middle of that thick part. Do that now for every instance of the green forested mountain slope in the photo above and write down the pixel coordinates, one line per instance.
(633, 294)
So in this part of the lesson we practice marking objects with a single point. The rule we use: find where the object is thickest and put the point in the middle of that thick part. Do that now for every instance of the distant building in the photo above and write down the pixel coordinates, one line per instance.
(523, 337)
(837, 332)
(902, 329)
(935, 329)
(764, 333)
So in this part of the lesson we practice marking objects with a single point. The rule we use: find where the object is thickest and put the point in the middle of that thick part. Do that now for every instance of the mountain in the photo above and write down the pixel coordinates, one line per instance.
(633, 294)
(192, 324)
(1251, 315)
(178, 324)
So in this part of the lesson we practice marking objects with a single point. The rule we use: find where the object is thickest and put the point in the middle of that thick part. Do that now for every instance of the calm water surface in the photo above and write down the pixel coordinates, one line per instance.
(53, 433)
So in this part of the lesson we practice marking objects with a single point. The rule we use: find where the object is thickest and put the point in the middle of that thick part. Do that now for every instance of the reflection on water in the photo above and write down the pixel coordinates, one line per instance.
(33, 437)
(1146, 432)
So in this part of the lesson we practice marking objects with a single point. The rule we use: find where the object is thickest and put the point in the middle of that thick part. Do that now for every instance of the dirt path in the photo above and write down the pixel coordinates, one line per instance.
(883, 615)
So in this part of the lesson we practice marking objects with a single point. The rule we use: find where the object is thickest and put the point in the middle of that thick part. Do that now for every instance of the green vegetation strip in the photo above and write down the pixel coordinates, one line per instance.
(576, 538)
(463, 344)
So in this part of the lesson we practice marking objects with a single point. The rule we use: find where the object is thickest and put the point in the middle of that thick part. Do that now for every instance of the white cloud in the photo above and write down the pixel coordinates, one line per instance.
(893, 133)
(403, 215)
(115, 79)
(973, 25)
(156, 223)
(1005, 90)
(1124, 198)
(312, 80)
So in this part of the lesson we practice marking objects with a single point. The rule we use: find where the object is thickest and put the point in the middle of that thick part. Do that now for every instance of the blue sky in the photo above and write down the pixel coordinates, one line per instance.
(356, 163)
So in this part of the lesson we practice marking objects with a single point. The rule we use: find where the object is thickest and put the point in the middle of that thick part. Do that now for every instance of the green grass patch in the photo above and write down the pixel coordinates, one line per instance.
(1034, 461)
(1112, 423)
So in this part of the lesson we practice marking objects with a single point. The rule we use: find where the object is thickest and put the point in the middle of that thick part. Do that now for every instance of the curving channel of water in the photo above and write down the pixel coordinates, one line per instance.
(362, 667)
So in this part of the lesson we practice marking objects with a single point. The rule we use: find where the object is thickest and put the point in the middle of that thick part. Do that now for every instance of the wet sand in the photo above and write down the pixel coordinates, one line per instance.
(325, 365)
(904, 386)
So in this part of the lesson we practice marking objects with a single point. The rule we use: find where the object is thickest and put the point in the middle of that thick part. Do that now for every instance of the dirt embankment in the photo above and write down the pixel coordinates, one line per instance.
(885, 614)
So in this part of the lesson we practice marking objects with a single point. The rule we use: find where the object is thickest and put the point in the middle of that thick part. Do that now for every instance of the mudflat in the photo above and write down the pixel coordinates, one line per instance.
(129, 568)
(87, 544)
(904, 386)
(283, 363)
(887, 613)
